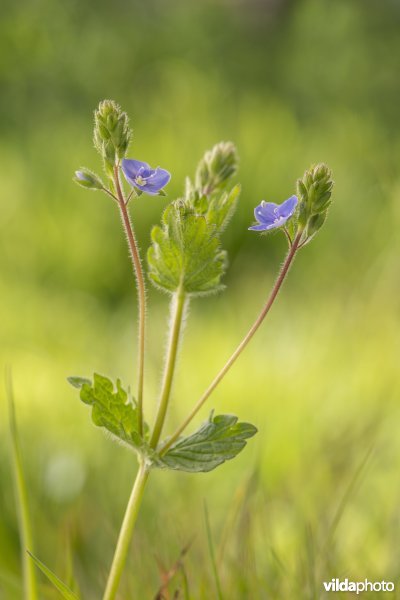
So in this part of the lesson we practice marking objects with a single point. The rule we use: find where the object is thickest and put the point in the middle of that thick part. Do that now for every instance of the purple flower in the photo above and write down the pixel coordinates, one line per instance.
(270, 215)
(140, 175)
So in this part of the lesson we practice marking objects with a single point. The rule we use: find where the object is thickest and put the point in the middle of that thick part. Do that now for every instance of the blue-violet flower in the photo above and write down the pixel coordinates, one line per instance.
(270, 215)
(141, 176)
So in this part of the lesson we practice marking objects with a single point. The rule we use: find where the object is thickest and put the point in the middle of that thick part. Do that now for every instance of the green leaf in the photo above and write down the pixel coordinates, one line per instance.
(219, 439)
(64, 590)
(222, 207)
(112, 408)
(217, 208)
(185, 253)
(78, 382)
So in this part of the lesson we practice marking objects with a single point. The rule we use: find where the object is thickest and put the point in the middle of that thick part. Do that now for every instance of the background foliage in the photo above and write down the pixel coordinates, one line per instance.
(290, 82)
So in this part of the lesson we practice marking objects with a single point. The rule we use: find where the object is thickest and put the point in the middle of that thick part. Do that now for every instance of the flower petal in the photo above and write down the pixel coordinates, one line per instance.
(287, 208)
(145, 172)
(261, 227)
(277, 223)
(131, 168)
(266, 212)
(157, 180)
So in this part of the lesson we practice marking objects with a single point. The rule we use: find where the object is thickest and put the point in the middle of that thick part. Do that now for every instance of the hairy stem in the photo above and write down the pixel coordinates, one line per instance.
(137, 266)
(125, 534)
(265, 310)
(178, 310)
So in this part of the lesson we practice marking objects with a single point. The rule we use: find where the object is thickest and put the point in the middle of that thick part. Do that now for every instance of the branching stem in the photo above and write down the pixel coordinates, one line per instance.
(113, 196)
(265, 310)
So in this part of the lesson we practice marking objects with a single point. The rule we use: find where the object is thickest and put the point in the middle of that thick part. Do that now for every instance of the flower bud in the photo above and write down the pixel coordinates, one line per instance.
(315, 190)
(315, 223)
(112, 133)
(216, 167)
(88, 179)
(303, 215)
(301, 191)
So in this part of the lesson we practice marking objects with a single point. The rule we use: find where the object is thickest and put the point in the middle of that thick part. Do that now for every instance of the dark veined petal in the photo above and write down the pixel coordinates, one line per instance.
(157, 180)
(277, 223)
(266, 212)
(131, 168)
(145, 172)
(287, 208)
(143, 188)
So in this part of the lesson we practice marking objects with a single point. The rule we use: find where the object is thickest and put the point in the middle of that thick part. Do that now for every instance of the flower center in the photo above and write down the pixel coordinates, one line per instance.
(140, 180)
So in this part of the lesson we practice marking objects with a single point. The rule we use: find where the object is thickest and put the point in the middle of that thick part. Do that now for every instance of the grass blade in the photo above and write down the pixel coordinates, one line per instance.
(352, 486)
(185, 583)
(212, 554)
(25, 529)
(64, 590)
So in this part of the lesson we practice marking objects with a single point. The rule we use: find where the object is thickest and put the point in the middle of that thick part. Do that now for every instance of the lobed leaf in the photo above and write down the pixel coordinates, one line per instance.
(185, 253)
(221, 438)
(112, 408)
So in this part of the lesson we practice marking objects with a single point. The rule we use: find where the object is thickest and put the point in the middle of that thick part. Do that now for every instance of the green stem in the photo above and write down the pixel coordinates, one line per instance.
(137, 265)
(119, 560)
(125, 534)
(265, 310)
(25, 529)
(178, 309)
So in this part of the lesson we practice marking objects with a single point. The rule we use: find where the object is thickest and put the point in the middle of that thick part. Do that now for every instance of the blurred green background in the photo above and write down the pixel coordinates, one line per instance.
(291, 83)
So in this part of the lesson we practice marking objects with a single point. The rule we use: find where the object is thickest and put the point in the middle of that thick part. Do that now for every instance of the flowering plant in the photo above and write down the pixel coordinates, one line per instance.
(185, 259)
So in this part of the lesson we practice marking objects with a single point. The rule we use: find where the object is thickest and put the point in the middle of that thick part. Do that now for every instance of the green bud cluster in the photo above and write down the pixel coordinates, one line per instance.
(112, 133)
(210, 196)
(216, 167)
(314, 192)
(186, 249)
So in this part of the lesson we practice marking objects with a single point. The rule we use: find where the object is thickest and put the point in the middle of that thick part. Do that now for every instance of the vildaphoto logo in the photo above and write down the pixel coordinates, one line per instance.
(344, 585)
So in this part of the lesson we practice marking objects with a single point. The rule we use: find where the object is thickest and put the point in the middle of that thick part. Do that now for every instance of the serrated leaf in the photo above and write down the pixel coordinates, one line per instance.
(221, 438)
(185, 253)
(64, 590)
(78, 381)
(112, 408)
